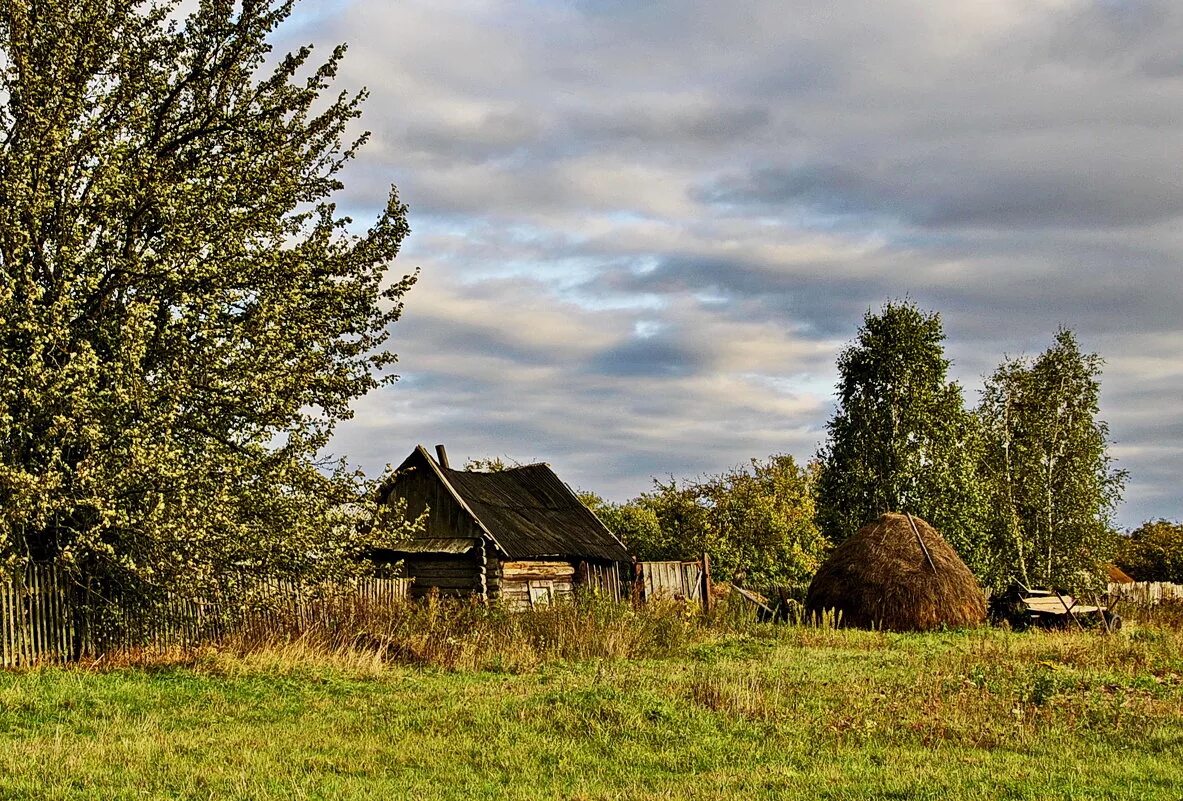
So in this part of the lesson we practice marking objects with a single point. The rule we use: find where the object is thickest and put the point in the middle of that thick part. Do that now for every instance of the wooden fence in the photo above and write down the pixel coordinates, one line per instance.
(46, 618)
(1146, 592)
(602, 579)
(37, 620)
(686, 581)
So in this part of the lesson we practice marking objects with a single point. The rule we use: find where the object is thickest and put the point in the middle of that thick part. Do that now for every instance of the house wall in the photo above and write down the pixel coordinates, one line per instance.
(422, 491)
(522, 584)
(527, 583)
(492, 573)
(450, 575)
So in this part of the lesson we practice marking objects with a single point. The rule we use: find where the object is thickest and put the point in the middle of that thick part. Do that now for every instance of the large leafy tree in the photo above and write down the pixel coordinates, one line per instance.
(1053, 484)
(184, 314)
(900, 438)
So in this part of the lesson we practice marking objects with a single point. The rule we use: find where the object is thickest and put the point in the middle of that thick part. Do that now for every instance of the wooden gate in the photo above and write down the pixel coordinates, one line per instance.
(681, 581)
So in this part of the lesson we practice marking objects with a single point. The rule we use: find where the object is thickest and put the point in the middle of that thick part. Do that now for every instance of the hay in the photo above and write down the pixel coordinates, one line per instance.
(883, 578)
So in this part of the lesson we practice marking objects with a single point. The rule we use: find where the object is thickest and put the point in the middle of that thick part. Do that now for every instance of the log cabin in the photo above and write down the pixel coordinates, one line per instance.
(518, 535)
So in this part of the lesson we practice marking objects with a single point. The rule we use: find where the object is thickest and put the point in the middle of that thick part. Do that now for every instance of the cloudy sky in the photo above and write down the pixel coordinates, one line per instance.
(646, 229)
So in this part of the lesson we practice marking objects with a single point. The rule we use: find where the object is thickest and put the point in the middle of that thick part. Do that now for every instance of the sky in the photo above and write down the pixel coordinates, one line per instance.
(645, 230)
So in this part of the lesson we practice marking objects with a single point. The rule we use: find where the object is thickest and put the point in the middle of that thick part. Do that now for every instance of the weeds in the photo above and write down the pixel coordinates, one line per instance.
(454, 636)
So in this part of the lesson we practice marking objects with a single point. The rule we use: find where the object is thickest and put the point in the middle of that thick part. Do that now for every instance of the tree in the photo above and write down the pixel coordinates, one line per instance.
(900, 438)
(184, 315)
(757, 519)
(634, 522)
(1052, 484)
(1153, 552)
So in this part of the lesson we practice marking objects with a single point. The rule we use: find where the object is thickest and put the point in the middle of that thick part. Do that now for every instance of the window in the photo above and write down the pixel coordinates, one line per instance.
(541, 593)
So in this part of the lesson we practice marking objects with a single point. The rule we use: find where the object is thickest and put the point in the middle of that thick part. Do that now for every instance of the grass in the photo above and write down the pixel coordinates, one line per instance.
(606, 704)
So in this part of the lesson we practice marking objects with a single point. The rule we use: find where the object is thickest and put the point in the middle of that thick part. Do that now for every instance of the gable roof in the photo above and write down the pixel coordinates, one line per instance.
(528, 512)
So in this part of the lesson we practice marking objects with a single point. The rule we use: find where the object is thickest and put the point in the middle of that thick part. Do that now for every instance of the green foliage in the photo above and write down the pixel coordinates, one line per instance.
(635, 523)
(1153, 552)
(491, 464)
(758, 520)
(1052, 484)
(184, 316)
(900, 439)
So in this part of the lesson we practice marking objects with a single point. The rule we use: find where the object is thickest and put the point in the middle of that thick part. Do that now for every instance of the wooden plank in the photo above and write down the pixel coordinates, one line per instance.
(1057, 605)
(691, 575)
(31, 650)
(22, 603)
(708, 600)
(36, 600)
(49, 626)
(62, 623)
(461, 582)
(458, 570)
(13, 616)
(14, 619)
(537, 570)
(10, 653)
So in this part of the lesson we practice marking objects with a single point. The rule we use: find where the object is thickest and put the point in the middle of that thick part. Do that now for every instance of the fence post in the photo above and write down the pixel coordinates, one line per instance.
(5, 648)
(708, 602)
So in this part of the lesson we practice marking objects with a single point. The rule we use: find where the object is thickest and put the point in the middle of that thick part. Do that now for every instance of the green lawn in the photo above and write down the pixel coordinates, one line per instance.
(791, 713)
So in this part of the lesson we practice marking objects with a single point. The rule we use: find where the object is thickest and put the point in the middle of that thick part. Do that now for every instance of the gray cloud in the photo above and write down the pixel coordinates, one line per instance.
(1061, 183)
(646, 229)
(647, 356)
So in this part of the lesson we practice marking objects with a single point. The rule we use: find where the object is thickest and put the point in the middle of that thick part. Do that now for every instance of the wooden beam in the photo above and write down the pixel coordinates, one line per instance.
(920, 540)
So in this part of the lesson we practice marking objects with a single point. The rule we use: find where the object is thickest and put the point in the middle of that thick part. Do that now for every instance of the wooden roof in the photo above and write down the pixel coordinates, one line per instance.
(438, 545)
(528, 512)
(1117, 575)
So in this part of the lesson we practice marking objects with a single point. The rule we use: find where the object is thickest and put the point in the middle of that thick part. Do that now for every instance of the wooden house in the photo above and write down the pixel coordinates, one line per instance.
(519, 534)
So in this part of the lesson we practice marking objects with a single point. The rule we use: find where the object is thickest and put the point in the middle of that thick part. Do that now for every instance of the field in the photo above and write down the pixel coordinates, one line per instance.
(665, 708)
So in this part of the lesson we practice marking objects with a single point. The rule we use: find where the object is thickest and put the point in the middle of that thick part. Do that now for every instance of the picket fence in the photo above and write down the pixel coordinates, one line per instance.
(1147, 592)
(47, 618)
(37, 620)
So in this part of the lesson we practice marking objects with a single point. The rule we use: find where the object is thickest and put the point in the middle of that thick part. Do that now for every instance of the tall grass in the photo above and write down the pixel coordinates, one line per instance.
(454, 635)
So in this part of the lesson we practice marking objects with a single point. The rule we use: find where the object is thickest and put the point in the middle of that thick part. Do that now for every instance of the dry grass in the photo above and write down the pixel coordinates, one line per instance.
(450, 635)
(1164, 615)
(986, 689)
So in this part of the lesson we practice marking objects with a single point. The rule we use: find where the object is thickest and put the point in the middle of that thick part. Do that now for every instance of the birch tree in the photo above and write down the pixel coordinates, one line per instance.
(1053, 485)
(900, 438)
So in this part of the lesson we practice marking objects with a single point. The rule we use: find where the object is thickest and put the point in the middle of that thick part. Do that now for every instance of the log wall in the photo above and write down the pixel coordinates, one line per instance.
(450, 575)
(528, 583)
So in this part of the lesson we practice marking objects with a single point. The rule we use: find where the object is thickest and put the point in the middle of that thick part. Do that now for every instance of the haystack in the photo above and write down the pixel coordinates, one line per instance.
(897, 574)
